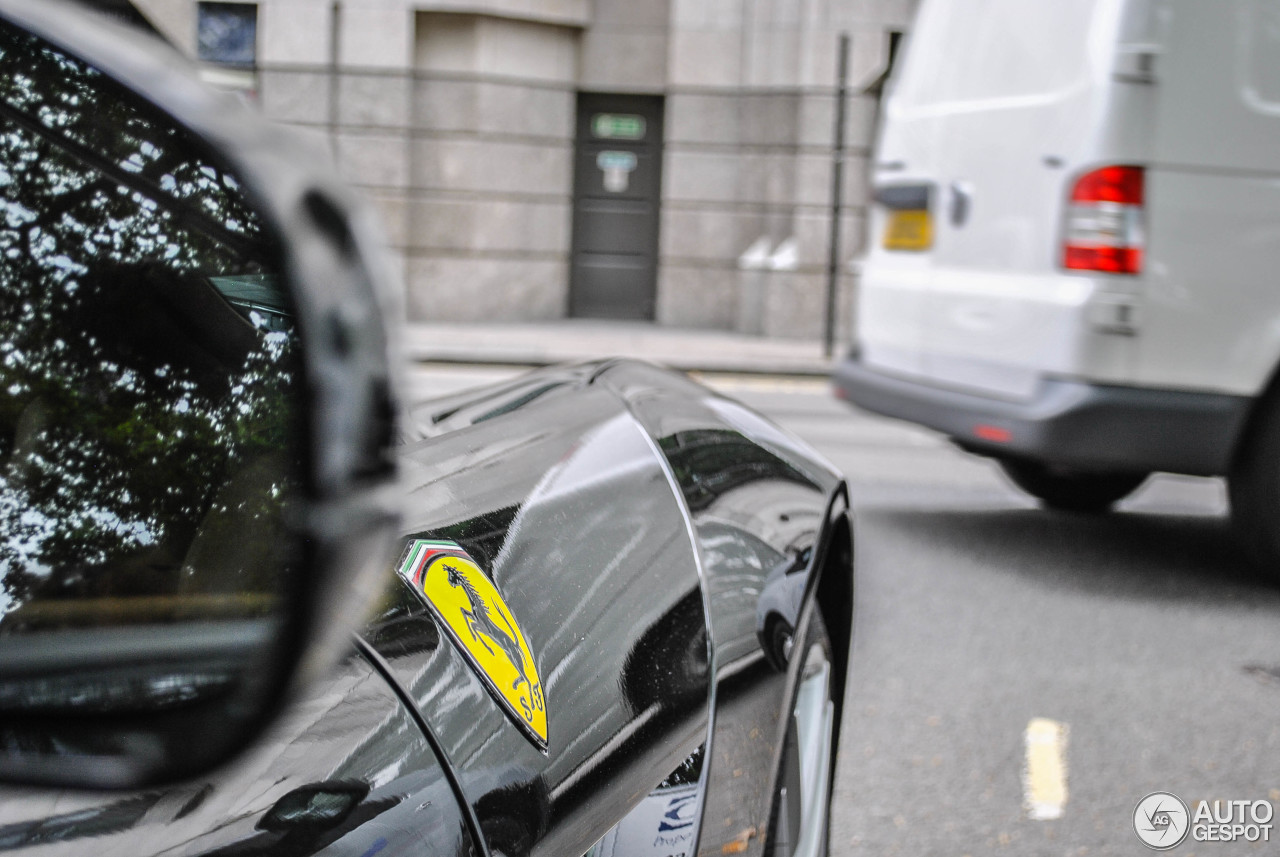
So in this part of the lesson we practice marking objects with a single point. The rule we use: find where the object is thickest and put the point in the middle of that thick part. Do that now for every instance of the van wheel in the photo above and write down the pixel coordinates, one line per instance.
(1071, 490)
(1253, 487)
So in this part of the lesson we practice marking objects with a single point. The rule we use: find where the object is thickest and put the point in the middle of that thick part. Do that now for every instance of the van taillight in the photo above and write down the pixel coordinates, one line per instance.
(1104, 229)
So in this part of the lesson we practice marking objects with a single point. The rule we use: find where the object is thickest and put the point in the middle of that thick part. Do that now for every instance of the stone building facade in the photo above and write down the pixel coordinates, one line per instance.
(490, 133)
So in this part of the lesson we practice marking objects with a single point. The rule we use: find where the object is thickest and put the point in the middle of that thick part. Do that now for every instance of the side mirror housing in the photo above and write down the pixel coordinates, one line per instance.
(197, 488)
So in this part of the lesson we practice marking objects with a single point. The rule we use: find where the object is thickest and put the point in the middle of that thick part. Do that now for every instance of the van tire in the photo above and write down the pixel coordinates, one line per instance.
(1253, 487)
(1071, 490)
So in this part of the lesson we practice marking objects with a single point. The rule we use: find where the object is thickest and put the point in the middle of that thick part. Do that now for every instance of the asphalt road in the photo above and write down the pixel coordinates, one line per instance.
(1141, 637)
(1142, 632)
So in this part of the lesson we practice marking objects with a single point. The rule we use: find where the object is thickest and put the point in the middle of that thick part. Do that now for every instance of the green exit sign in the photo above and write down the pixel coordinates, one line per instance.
(618, 126)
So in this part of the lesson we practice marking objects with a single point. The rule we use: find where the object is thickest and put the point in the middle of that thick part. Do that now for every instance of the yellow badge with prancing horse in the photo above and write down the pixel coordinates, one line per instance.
(469, 607)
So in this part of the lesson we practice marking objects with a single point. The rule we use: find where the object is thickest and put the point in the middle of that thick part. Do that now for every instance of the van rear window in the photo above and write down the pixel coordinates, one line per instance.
(982, 50)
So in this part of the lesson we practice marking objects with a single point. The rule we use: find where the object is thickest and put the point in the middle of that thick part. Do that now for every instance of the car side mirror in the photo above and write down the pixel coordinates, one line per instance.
(196, 411)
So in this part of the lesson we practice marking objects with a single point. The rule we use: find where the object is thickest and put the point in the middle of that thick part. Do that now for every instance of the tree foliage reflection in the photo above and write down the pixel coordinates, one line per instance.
(148, 435)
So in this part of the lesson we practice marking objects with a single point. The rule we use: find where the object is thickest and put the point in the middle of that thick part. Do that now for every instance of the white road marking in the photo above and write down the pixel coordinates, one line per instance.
(1045, 778)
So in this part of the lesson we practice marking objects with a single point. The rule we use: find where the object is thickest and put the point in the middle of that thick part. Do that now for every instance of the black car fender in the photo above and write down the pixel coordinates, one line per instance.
(762, 508)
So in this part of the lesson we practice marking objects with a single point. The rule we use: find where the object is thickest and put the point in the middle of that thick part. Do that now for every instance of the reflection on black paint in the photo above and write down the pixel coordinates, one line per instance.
(193, 803)
(668, 667)
(401, 626)
(514, 814)
(481, 537)
(315, 808)
(689, 772)
(778, 608)
(449, 413)
(757, 499)
(709, 463)
(309, 819)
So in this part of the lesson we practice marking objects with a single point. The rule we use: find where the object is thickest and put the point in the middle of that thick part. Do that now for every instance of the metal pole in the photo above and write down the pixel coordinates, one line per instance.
(335, 33)
(837, 197)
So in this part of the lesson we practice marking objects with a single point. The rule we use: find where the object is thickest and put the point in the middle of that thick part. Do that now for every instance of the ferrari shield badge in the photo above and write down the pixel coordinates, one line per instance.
(469, 607)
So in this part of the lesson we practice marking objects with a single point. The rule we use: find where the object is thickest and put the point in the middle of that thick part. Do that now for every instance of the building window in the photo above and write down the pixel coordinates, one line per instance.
(227, 33)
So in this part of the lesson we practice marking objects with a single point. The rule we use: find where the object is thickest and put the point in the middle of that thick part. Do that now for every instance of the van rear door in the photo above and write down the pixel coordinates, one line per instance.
(998, 104)
(1211, 309)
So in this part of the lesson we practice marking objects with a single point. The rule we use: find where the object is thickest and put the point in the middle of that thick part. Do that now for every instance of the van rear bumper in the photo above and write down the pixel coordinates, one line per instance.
(1071, 423)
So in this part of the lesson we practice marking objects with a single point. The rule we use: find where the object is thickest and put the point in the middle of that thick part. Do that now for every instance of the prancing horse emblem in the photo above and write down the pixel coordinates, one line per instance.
(479, 615)
(470, 608)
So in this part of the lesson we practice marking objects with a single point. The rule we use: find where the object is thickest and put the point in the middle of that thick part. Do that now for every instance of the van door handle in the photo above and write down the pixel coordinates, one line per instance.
(961, 202)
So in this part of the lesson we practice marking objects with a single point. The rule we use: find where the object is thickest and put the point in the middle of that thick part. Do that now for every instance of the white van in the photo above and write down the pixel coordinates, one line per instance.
(1076, 245)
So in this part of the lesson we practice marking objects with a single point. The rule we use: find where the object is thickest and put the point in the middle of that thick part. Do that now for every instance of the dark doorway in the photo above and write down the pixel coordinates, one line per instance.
(617, 185)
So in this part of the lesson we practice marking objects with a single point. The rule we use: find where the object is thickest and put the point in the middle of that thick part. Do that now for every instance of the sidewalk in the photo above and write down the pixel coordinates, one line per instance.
(572, 340)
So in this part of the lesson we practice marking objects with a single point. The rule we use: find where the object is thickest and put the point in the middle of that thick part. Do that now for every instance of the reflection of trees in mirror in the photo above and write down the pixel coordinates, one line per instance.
(148, 429)
(132, 146)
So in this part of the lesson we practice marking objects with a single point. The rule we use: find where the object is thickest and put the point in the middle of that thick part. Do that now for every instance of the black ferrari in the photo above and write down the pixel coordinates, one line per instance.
(254, 603)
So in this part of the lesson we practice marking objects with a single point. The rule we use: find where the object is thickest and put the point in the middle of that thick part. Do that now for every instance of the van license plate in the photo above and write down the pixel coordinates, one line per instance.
(908, 229)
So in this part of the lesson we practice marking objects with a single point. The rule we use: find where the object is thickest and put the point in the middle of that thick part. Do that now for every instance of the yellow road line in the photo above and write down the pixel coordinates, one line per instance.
(1045, 778)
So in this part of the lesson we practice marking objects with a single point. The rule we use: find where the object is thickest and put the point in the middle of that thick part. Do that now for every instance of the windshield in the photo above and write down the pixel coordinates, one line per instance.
(260, 298)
